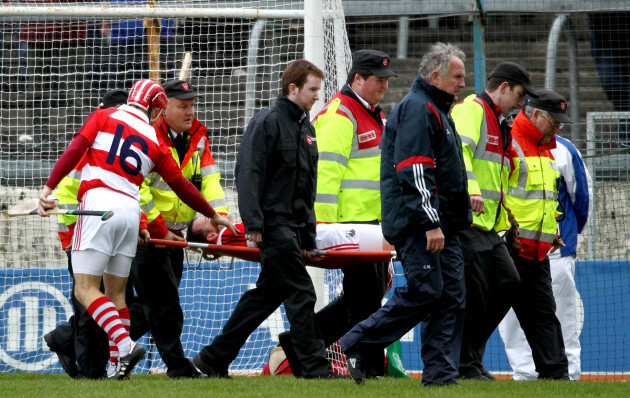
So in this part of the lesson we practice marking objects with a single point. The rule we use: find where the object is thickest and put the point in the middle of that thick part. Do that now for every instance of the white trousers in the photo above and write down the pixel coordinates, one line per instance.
(570, 313)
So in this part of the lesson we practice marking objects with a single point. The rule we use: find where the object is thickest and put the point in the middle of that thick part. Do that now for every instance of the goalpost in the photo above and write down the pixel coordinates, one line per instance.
(58, 59)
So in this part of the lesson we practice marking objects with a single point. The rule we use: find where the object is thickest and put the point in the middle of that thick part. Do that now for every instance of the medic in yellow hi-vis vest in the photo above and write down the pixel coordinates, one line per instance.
(533, 192)
(348, 172)
(487, 168)
(165, 211)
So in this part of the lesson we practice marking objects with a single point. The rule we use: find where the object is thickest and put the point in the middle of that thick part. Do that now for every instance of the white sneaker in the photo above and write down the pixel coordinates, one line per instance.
(111, 368)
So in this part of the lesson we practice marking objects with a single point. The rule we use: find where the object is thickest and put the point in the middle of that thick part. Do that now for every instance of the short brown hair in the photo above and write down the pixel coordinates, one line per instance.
(494, 83)
(297, 72)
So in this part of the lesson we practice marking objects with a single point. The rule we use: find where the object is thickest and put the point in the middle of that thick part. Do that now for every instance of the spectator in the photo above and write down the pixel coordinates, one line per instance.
(575, 196)
(349, 131)
(533, 199)
(422, 156)
(490, 275)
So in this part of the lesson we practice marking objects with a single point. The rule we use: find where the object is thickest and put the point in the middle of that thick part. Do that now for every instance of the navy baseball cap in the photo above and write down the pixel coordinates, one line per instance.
(374, 61)
(179, 89)
(553, 103)
(514, 72)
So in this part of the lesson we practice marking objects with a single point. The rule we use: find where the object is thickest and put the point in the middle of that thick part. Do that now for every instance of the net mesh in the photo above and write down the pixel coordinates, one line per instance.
(54, 70)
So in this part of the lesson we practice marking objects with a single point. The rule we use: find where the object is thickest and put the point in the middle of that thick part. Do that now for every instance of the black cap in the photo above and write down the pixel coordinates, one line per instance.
(179, 89)
(113, 98)
(514, 72)
(553, 103)
(373, 61)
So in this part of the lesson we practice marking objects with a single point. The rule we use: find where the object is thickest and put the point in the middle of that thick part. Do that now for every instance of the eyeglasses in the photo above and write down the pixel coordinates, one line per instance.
(554, 124)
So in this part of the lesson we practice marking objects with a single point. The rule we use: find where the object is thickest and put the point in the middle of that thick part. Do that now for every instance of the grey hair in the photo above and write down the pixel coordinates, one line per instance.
(529, 111)
(439, 58)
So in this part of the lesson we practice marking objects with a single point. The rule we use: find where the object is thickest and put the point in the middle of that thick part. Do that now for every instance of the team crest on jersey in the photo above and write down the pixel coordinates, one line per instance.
(364, 137)
(185, 85)
(350, 233)
(310, 139)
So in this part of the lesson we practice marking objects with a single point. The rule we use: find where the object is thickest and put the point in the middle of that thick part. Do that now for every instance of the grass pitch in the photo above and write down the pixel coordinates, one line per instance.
(151, 386)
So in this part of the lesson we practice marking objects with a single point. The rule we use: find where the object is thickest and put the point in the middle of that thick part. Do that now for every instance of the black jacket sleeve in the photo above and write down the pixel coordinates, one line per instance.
(251, 169)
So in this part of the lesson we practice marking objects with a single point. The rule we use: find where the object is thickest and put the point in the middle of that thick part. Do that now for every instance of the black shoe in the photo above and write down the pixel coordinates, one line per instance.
(485, 372)
(474, 373)
(196, 375)
(355, 369)
(126, 364)
(209, 370)
(449, 382)
(68, 362)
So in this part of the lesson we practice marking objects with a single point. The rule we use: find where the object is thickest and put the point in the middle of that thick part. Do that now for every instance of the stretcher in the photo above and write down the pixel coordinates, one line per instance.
(330, 259)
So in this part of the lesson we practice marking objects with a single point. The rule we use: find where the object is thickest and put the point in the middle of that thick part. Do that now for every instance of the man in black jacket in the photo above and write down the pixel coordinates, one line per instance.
(276, 170)
(424, 199)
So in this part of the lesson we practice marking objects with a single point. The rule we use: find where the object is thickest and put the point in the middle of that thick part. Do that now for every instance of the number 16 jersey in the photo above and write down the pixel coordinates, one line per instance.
(124, 148)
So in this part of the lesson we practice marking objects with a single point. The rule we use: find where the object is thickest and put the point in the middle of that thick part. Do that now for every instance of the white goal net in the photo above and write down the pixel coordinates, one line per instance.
(57, 59)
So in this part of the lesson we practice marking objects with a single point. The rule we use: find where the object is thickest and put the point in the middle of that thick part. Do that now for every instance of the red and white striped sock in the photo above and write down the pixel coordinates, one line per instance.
(125, 318)
(104, 313)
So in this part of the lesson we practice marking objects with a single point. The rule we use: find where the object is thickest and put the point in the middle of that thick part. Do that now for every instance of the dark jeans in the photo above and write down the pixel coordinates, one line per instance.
(491, 284)
(535, 309)
(156, 274)
(283, 279)
(434, 295)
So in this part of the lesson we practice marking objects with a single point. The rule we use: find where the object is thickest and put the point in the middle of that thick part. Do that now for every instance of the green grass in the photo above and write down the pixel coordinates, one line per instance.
(152, 386)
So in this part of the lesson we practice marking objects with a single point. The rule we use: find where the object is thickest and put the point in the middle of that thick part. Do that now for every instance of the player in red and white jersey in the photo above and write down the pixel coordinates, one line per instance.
(120, 148)
(333, 236)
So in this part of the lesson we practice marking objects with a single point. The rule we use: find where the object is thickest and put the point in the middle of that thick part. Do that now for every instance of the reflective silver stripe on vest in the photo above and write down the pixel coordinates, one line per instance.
(62, 227)
(360, 184)
(536, 235)
(483, 132)
(161, 185)
(209, 170)
(200, 147)
(491, 157)
(153, 178)
(535, 194)
(68, 206)
(334, 157)
(492, 195)
(364, 153)
(147, 207)
(218, 203)
(352, 119)
(76, 174)
(471, 175)
(469, 141)
(176, 225)
(328, 198)
(522, 173)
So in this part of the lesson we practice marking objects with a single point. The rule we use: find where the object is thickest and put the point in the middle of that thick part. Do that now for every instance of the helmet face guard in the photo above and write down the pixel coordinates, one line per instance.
(148, 94)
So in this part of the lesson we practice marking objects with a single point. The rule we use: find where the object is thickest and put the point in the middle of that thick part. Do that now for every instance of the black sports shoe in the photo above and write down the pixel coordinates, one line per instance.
(126, 364)
(484, 371)
(354, 368)
(68, 362)
(209, 370)
(449, 382)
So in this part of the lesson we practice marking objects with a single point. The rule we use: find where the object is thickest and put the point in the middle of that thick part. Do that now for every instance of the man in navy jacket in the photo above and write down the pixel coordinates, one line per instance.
(425, 201)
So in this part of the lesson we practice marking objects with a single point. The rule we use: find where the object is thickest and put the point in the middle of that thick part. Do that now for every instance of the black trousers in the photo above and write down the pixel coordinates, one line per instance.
(535, 309)
(491, 285)
(282, 279)
(156, 274)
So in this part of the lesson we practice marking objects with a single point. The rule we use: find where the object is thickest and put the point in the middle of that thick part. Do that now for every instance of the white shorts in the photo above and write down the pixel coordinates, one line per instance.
(364, 237)
(116, 236)
(96, 263)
